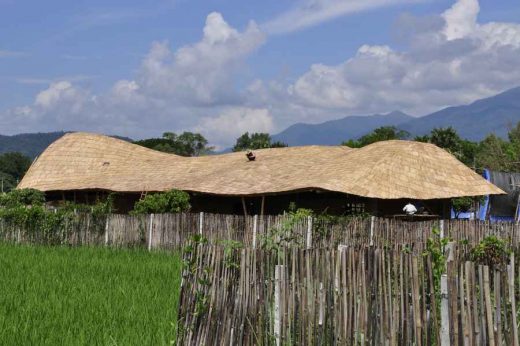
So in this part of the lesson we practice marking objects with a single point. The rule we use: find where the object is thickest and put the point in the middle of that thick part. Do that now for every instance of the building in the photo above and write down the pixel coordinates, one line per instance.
(378, 179)
(504, 207)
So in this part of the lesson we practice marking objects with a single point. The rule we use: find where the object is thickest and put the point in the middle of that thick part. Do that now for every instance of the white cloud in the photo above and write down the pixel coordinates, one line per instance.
(202, 73)
(308, 13)
(451, 64)
(233, 122)
(447, 59)
(461, 19)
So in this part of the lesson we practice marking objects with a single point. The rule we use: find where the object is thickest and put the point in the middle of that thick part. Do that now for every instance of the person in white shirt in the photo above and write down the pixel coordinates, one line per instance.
(410, 209)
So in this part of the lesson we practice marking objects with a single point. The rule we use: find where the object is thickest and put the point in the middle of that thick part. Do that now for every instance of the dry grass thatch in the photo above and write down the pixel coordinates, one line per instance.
(386, 170)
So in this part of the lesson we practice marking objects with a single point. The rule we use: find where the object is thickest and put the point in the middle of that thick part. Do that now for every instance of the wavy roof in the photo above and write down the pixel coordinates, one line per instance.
(386, 170)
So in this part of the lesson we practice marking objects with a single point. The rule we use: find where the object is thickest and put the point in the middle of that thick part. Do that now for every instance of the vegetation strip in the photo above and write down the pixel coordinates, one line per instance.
(87, 296)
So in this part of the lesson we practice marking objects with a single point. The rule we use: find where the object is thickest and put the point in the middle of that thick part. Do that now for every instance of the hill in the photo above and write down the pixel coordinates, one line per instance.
(33, 144)
(30, 144)
(496, 114)
(336, 131)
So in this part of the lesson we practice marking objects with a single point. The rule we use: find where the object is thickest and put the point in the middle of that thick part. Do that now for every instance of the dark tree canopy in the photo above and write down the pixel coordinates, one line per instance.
(12, 169)
(383, 133)
(256, 141)
(493, 152)
(185, 144)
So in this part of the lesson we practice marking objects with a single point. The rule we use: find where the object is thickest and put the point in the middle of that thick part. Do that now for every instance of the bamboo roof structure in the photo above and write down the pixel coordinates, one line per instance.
(384, 170)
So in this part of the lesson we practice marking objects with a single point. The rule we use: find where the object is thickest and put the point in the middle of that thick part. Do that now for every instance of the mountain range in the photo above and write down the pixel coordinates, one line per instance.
(496, 114)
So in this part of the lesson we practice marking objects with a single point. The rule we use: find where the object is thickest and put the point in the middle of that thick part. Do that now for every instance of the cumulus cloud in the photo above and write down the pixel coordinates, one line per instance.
(200, 74)
(171, 91)
(448, 64)
(233, 122)
(447, 59)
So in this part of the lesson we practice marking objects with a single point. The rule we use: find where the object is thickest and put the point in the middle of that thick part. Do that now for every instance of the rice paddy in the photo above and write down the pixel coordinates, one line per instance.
(87, 296)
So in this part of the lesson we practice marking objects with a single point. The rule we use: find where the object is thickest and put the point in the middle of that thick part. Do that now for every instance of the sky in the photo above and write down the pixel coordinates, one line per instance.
(224, 67)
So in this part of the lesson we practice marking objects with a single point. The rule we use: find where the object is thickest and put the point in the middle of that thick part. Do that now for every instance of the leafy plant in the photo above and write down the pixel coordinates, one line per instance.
(491, 251)
(22, 197)
(435, 248)
(173, 201)
(230, 247)
(285, 235)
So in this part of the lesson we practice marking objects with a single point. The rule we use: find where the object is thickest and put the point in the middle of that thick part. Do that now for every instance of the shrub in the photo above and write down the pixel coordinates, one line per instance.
(491, 251)
(173, 201)
(22, 197)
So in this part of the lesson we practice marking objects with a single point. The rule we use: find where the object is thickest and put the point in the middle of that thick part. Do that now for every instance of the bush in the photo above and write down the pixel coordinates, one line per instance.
(173, 201)
(22, 197)
(491, 251)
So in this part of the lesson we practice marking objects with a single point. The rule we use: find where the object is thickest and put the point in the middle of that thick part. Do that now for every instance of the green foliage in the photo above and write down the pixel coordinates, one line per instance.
(7, 182)
(87, 296)
(14, 164)
(230, 247)
(435, 248)
(22, 197)
(495, 153)
(462, 205)
(491, 251)
(185, 144)
(173, 201)
(25, 209)
(383, 133)
(278, 238)
(256, 141)
(12, 169)
(191, 267)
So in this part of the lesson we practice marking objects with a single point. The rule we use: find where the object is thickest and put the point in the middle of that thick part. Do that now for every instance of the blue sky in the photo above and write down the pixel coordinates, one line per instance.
(116, 67)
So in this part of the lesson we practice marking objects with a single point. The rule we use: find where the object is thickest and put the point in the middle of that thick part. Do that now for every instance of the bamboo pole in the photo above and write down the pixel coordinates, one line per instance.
(244, 206)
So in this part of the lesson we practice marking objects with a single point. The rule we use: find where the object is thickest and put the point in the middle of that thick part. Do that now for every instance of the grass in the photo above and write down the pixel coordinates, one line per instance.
(87, 296)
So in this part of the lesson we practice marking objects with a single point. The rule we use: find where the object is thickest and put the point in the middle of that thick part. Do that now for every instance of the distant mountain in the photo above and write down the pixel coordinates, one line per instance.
(336, 131)
(496, 114)
(30, 144)
(33, 144)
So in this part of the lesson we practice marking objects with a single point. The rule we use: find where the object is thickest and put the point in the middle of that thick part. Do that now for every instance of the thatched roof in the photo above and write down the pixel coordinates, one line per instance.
(386, 170)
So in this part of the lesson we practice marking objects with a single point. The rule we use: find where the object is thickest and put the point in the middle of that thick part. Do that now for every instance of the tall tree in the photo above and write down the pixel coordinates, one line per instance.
(185, 144)
(492, 153)
(256, 141)
(12, 169)
(383, 133)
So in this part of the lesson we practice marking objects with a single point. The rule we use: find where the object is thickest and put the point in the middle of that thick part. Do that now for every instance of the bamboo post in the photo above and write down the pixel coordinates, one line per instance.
(150, 232)
(277, 303)
(201, 221)
(244, 206)
(372, 221)
(445, 308)
(441, 229)
(106, 231)
(445, 314)
(309, 232)
(511, 283)
(489, 316)
(255, 228)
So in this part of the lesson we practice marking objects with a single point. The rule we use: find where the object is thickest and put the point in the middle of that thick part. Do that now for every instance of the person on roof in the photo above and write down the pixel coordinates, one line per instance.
(410, 209)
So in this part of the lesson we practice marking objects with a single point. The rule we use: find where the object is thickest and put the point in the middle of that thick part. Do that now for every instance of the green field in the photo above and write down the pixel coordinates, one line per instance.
(87, 296)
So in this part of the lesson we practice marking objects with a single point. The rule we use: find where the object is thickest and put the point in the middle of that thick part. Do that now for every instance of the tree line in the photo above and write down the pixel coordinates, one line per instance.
(492, 152)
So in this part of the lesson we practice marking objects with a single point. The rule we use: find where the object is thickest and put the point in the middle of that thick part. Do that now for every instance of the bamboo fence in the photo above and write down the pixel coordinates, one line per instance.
(345, 296)
(171, 231)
